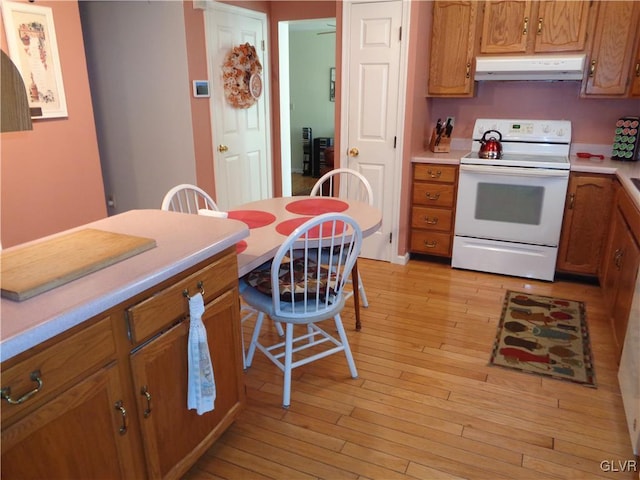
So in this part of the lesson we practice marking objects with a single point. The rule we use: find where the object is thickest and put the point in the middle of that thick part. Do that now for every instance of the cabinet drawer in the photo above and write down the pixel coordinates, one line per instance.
(431, 218)
(61, 364)
(433, 194)
(159, 311)
(435, 173)
(432, 243)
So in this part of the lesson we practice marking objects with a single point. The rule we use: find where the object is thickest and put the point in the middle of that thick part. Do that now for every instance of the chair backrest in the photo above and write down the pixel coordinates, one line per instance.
(352, 185)
(187, 198)
(308, 289)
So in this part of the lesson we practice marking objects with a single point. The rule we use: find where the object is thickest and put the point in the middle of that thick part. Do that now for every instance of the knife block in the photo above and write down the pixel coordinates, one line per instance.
(441, 145)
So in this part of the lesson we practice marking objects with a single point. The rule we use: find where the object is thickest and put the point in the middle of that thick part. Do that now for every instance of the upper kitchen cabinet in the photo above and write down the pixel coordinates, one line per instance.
(452, 48)
(525, 27)
(635, 73)
(612, 51)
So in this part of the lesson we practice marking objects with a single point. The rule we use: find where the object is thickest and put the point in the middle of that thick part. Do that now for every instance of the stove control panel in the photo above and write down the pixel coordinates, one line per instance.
(538, 131)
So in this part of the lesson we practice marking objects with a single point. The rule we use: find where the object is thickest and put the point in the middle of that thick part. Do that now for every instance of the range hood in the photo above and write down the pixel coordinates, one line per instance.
(530, 67)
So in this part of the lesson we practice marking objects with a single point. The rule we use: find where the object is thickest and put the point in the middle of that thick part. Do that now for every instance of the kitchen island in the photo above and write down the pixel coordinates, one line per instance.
(100, 363)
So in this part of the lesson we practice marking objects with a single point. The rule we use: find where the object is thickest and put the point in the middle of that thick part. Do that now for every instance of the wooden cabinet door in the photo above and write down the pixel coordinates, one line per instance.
(173, 436)
(613, 47)
(585, 225)
(610, 275)
(635, 73)
(627, 264)
(452, 48)
(79, 434)
(561, 26)
(506, 26)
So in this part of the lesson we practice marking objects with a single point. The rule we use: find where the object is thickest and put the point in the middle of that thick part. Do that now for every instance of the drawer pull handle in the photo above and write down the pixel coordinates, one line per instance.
(617, 258)
(430, 221)
(145, 393)
(434, 196)
(437, 174)
(429, 244)
(185, 292)
(119, 406)
(6, 392)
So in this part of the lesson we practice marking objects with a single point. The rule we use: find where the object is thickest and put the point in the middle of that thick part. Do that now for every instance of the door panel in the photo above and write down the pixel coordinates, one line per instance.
(241, 136)
(374, 51)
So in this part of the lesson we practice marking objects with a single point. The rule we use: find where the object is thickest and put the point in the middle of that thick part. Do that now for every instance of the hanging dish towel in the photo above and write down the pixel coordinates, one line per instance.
(201, 394)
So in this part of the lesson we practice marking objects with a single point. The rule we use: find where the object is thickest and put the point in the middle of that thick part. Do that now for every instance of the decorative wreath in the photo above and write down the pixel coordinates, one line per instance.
(241, 76)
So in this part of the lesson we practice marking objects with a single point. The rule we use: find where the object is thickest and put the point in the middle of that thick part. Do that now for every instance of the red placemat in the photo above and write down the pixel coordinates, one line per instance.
(288, 226)
(253, 218)
(317, 206)
(241, 246)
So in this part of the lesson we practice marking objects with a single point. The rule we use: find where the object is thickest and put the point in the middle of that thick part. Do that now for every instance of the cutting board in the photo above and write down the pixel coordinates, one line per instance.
(34, 269)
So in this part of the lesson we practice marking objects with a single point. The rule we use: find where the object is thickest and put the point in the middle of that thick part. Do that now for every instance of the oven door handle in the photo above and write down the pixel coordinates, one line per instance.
(514, 171)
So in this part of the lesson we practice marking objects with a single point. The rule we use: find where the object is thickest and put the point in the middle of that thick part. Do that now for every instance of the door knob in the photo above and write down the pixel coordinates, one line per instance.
(354, 152)
(222, 148)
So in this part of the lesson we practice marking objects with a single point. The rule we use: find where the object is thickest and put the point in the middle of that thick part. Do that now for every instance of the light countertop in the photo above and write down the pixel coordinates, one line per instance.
(623, 170)
(182, 241)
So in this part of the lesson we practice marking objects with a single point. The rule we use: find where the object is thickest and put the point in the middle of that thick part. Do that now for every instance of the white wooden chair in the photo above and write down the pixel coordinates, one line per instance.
(347, 183)
(188, 198)
(301, 293)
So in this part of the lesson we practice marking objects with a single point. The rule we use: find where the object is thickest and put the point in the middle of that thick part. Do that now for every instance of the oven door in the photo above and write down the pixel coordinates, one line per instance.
(514, 204)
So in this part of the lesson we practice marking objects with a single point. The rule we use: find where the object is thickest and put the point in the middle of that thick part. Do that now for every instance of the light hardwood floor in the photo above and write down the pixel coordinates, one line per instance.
(426, 404)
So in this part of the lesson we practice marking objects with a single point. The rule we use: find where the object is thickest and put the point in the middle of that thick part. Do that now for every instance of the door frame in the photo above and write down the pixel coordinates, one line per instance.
(209, 6)
(396, 179)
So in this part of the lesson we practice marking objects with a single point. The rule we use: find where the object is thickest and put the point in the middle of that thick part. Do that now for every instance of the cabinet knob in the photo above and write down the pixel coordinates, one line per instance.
(432, 196)
(431, 221)
(429, 244)
(436, 174)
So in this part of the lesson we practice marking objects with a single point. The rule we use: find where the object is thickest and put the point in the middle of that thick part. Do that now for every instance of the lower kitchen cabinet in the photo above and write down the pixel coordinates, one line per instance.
(433, 208)
(81, 433)
(108, 399)
(621, 262)
(172, 435)
(585, 226)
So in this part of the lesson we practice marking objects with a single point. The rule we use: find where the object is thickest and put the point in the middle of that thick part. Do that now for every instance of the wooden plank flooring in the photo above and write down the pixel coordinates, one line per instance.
(426, 404)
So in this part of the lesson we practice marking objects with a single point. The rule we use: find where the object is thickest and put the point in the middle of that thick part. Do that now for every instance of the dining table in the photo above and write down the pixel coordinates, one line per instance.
(271, 220)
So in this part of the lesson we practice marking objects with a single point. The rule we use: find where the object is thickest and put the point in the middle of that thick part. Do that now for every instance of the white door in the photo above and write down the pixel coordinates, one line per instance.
(241, 136)
(371, 67)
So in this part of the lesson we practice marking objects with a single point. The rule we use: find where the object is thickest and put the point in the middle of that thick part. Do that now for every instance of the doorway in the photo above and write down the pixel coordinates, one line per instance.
(306, 57)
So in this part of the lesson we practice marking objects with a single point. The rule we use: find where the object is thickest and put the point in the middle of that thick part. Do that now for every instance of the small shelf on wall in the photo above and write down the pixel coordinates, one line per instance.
(16, 115)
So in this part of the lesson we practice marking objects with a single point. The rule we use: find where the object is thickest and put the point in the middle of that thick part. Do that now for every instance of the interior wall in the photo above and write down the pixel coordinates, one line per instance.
(592, 119)
(50, 178)
(141, 90)
(310, 58)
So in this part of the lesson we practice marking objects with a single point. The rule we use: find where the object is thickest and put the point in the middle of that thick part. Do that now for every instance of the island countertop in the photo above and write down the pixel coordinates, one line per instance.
(182, 241)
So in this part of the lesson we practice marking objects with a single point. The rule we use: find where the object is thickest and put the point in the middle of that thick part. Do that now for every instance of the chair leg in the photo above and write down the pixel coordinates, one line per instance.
(345, 343)
(288, 360)
(363, 294)
(254, 339)
(279, 329)
(355, 277)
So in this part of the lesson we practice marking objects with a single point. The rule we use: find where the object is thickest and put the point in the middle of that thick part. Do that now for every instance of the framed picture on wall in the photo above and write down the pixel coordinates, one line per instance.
(33, 48)
(332, 84)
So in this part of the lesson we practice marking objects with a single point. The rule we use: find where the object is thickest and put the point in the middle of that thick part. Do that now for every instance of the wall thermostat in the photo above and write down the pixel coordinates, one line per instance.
(201, 88)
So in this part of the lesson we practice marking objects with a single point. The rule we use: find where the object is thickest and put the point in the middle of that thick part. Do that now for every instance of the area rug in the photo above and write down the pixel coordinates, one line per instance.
(546, 336)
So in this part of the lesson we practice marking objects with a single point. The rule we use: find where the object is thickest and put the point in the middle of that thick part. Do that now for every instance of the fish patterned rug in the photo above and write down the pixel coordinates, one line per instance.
(544, 335)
